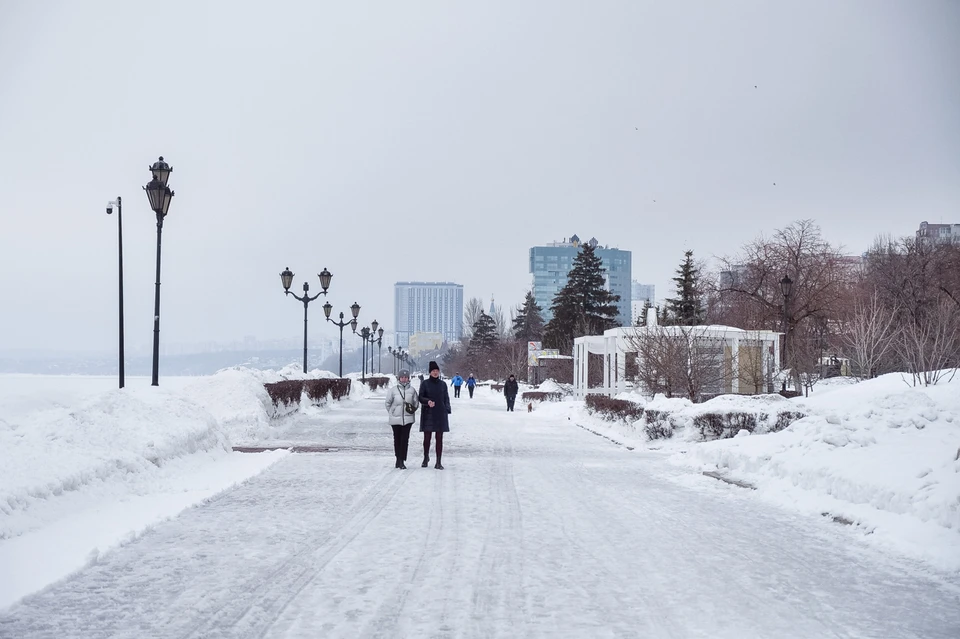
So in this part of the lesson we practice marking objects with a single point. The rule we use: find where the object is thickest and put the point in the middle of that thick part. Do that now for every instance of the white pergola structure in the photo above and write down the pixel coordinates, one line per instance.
(616, 343)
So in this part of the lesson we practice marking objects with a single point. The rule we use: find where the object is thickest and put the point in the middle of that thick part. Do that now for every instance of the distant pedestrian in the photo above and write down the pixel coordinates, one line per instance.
(402, 404)
(434, 418)
(456, 382)
(510, 390)
(471, 383)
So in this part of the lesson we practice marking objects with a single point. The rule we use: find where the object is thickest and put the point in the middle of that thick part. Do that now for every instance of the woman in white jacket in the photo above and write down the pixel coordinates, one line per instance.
(402, 403)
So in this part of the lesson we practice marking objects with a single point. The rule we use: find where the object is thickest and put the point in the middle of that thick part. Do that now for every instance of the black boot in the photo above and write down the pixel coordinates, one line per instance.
(401, 465)
(438, 466)
(426, 460)
(397, 465)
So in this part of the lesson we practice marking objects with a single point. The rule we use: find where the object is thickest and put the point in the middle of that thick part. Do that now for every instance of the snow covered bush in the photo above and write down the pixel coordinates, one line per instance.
(537, 396)
(318, 390)
(612, 409)
(377, 382)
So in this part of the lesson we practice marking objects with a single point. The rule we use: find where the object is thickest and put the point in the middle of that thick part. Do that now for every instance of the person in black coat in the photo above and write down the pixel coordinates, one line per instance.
(510, 389)
(433, 418)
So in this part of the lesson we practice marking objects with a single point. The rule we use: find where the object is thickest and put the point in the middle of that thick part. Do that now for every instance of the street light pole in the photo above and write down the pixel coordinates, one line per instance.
(380, 350)
(355, 309)
(786, 287)
(286, 278)
(119, 204)
(159, 195)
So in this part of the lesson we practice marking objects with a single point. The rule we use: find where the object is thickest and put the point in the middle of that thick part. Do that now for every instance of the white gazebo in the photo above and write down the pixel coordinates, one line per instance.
(616, 343)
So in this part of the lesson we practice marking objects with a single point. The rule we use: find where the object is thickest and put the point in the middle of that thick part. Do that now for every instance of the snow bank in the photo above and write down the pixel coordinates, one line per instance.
(880, 454)
(237, 399)
(104, 438)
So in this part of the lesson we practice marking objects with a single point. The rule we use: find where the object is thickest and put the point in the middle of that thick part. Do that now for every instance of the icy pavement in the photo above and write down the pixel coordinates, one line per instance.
(536, 528)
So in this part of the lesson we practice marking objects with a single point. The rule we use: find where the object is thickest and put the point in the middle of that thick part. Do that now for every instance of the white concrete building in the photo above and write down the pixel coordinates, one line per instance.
(736, 348)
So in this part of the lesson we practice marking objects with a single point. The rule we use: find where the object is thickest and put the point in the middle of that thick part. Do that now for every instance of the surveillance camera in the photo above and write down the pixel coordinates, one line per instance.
(109, 209)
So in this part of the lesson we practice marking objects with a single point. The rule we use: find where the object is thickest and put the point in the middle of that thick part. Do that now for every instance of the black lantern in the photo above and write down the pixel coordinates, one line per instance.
(373, 325)
(355, 309)
(161, 171)
(353, 323)
(325, 277)
(327, 308)
(380, 333)
(786, 286)
(286, 277)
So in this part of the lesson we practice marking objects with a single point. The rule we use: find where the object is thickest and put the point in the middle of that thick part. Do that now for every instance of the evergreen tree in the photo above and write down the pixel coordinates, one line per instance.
(484, 335)
(528, 324)
(686, 309)
(582, 307)
(644, 313)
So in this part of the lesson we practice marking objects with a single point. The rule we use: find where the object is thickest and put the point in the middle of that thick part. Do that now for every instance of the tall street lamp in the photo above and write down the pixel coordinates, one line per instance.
(786, 287)
(286, 278)
(355, 309)
(159, 195)
(379, 351)
(364, 334)
(372, 339)
(119, 204)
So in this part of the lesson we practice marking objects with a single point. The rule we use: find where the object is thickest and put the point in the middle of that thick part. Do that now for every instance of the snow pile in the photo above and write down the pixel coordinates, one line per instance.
(880, 454)
(104, 438)
(237, 399)
(552, 386)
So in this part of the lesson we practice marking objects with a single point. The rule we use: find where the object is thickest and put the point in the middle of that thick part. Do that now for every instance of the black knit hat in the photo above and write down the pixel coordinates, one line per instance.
(433, 366)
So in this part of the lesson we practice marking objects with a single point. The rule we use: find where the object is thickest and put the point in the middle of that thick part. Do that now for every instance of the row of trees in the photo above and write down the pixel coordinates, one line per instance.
(895, 308)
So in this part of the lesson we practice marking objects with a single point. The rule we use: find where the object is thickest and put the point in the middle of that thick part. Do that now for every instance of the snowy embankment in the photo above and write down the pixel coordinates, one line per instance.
(882, 455)
(86, 466)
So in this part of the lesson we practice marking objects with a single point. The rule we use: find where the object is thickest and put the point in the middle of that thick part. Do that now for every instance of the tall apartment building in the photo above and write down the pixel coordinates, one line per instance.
(939, 233)
(551, 264)
(427, 307)
(640, 293)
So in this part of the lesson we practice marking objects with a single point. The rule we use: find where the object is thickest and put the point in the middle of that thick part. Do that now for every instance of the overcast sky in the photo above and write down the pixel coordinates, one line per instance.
(425, 141)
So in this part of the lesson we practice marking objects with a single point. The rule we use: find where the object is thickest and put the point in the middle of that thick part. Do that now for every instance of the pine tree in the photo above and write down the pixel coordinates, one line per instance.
(528, 324)
(484, 335)
(582, 307)
(686, 309)
(644, 313)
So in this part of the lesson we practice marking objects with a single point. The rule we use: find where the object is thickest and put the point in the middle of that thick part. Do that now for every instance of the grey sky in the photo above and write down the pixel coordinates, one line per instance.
(406, 141)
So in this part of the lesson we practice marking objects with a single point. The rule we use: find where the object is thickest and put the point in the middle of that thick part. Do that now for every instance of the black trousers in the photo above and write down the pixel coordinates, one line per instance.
(401, 441)
(456, 391)
(510, 401)
(470, 389)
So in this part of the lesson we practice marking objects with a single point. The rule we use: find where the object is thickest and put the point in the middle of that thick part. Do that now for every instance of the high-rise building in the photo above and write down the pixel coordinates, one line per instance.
(427, 307)
(640, 294)
(551, 264)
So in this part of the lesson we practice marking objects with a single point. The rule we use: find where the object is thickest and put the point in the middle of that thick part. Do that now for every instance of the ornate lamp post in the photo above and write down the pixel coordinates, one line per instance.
(355, 309)
(286, 278)
(119, 204)
(379, 350)
(364, 334)
(159, 195)
(786, 287)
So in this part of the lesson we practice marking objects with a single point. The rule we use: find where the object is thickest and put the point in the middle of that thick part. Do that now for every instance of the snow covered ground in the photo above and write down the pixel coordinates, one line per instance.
(881, 454)
(536, 527)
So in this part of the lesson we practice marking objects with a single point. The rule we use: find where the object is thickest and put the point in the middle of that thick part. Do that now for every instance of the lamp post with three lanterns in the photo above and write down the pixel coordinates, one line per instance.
(159, 195)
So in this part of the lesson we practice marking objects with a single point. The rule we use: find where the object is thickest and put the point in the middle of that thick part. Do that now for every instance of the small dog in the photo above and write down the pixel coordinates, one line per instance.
(530, 407)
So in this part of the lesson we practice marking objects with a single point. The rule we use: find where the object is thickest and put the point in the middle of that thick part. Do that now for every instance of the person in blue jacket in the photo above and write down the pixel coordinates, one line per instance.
(471, 382)
(456, 382)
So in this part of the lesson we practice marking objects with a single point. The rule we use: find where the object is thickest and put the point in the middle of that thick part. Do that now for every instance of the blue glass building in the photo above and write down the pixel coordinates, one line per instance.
(550, 265)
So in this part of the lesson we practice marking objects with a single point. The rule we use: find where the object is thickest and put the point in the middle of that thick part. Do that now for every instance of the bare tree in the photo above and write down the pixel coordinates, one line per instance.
(679, 360)
(930, 346)
(753, 364)
(748, 293)
(870, 335)
(471, 313)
